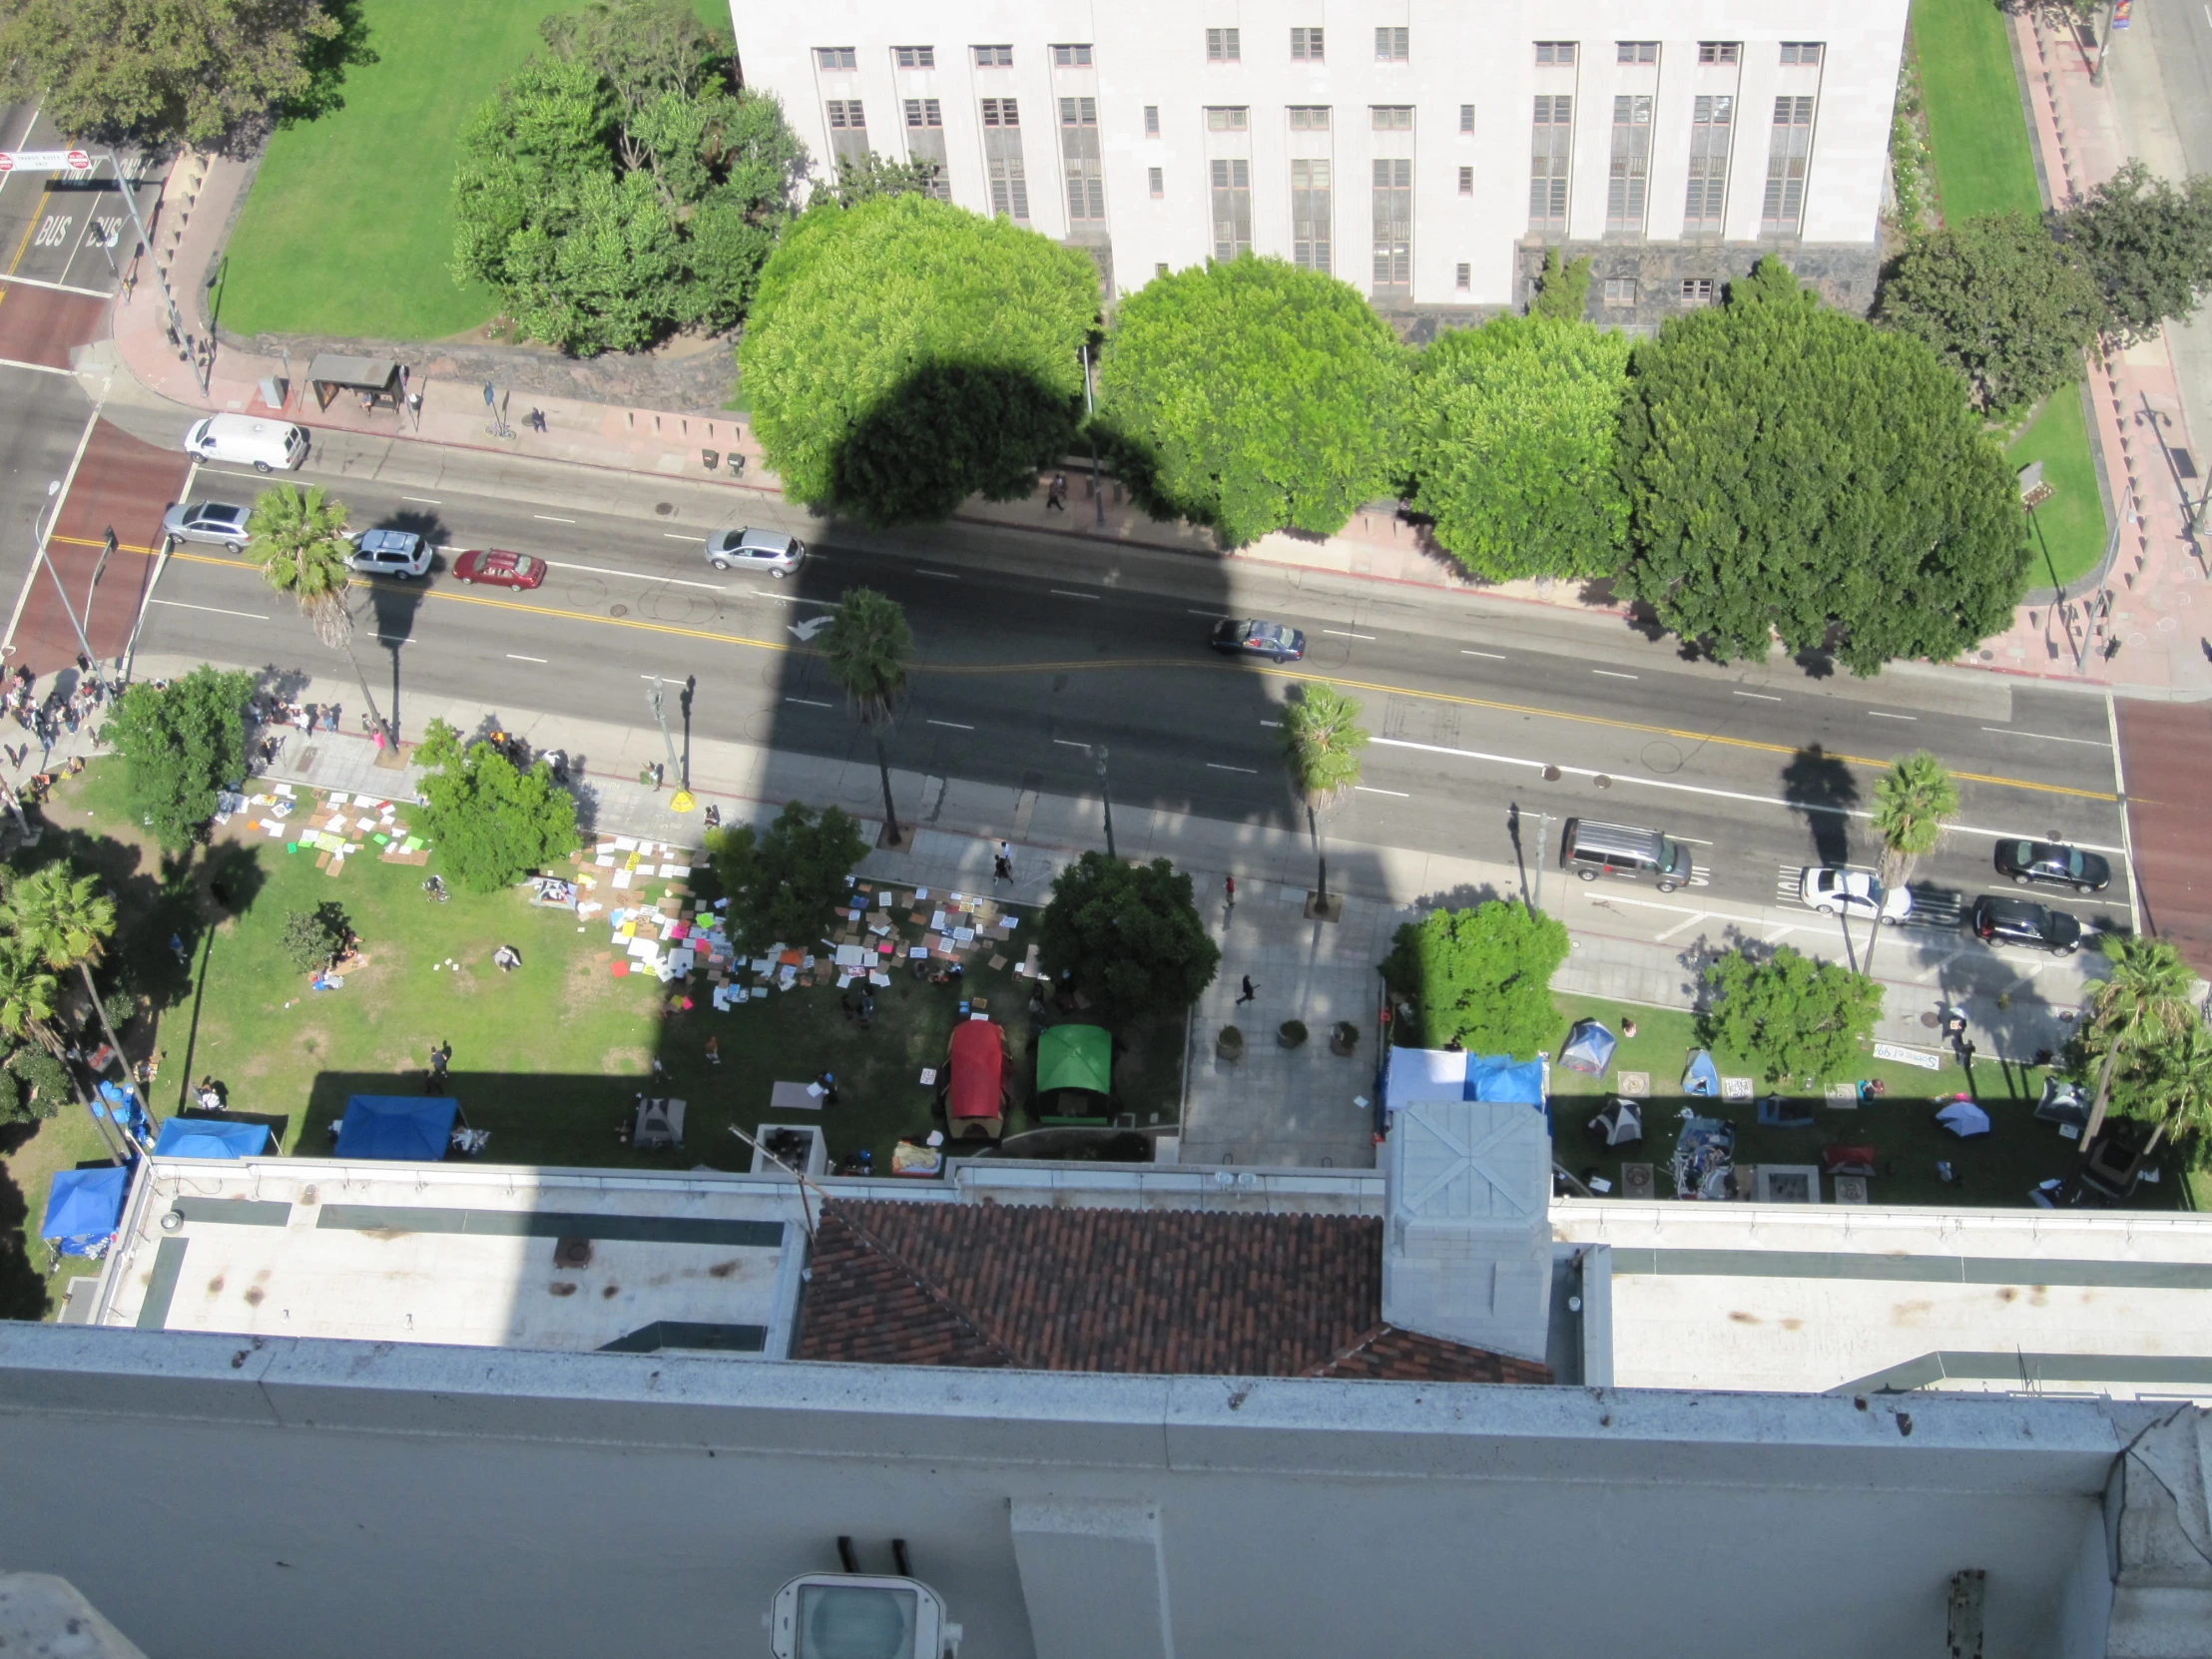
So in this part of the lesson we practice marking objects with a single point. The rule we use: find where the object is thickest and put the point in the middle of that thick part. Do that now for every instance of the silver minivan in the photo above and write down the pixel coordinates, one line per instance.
(768, 552)
(1625, 853)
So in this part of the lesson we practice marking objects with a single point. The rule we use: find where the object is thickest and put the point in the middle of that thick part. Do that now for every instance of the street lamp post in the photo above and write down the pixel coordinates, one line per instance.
(681, 801)
(38, 553)
(176, 332)
(1105, 793)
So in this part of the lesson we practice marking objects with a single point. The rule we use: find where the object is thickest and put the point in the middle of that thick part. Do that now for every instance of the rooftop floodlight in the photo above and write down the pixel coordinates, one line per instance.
(838, 1615)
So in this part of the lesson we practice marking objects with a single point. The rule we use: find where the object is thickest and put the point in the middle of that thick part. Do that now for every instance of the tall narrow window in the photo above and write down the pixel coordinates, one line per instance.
(1079, 155)
(1393, 228)
(1631, 167)
(1465, 279)
(1309, 210)
(1231, 195)
(1786, 161)
(1466, 118)
(1222, 46)
(1551, 144)
(1467, 181)
(915, 57)
(1306, 46)
(1157, 178)
(1152, 121)
(1711, 126)
(925, 142)
(1393, 45)
(1002, 158)
(1071, 57)
(1556, 52)
(837, 57)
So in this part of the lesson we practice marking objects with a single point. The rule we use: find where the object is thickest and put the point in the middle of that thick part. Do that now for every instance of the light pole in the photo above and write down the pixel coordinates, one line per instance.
(176, 332)
(681, 801)
(38, 552)
(1105, 794)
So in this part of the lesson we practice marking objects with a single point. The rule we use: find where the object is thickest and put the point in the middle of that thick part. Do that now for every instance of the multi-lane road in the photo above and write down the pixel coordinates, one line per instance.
(1025, 661)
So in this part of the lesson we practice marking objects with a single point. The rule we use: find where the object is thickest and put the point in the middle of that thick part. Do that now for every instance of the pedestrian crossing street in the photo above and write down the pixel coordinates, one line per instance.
(1934, 907)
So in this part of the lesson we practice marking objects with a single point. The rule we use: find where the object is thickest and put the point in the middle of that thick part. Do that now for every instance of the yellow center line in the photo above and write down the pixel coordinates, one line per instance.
(1094, 665)
(24, 245)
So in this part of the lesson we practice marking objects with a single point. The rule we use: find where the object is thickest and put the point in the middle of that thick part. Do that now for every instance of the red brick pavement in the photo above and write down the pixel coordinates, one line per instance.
(121, 483)
(2167, 751)
(39, 325)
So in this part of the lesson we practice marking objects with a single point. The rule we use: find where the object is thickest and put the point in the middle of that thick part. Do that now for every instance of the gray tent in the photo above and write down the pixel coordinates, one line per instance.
(1589, 1049)
(1620, 1123)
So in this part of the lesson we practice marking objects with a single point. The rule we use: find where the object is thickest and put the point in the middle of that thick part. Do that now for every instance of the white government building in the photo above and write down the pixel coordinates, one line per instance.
(1426, 153)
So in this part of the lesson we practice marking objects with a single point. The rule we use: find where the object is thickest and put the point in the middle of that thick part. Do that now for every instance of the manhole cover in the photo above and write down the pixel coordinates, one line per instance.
(1988, 656)
(663, 508)
(1602, 782)
(1551, 775)
(618, 610)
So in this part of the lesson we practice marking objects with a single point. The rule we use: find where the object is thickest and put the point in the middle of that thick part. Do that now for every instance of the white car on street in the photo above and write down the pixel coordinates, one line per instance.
(1829, 889)
(399, 553)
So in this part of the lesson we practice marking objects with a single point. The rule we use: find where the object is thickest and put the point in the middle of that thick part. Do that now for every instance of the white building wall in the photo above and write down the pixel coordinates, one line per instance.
(1153, 52)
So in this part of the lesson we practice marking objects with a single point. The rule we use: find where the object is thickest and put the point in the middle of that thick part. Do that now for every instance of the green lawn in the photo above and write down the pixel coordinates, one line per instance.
(2068, 531)
(1977, 131)
(1996, 1170)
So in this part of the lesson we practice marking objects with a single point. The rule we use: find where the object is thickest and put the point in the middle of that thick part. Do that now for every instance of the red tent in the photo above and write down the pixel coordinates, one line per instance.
(976, 1067)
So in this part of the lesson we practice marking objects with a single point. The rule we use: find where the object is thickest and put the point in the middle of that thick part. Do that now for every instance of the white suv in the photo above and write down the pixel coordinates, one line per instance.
(769, 551)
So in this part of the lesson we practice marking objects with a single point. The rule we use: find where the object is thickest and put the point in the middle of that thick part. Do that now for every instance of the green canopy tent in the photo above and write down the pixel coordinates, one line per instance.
(1075, 1074)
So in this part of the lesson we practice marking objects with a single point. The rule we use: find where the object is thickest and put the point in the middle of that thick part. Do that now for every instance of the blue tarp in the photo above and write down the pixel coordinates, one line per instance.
(1505, 1081)
(121, 1102)
(407, 1127)
(1702, 1077)
(83, 1210)
(208, 1138)
(1589, 1049)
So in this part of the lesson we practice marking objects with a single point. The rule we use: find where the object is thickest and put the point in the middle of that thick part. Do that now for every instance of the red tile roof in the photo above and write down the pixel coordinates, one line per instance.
(1150, 1292)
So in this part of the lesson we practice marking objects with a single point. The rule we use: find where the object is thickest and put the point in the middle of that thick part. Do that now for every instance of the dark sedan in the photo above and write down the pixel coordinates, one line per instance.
(1259, 639)
(2005, 920)
(2027, 862)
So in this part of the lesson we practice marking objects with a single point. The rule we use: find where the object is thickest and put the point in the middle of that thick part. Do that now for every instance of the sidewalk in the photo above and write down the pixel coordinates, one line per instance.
(1276, 1107)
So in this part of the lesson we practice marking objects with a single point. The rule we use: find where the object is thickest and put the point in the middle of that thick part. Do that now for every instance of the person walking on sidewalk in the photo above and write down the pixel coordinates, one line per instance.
(1250, 991)
(1229, 895)
(1003, 865)
(1056, 494)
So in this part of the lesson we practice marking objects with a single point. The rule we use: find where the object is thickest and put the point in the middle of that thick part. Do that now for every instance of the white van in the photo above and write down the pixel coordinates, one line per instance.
(264, 445)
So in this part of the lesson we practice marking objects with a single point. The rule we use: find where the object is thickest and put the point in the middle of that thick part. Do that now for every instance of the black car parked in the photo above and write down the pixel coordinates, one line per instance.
(2055, 863)
(1271, 640)
(2006, 920)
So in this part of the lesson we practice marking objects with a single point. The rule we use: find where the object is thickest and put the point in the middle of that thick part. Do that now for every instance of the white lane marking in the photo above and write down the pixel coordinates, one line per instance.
(37, 368)
(1216, 766)
(953, 724)
(1877, 714)
(1611, 674)
(1070, 743)
(1070, 593)
(518, 657)
(810, 701)
(1698, 789)
(1275, 724)
(1761, 696)
(2047, 737)
(678, 535)
(805, 631)
(1343, 634)
(788, 599)
(941, 575)
(426, 500)
(211, 610)
(635, 576)
(1362, 789)
(62, 288)
(1494, 656)
(548, 518)
(1218, 616)
(1686, 921)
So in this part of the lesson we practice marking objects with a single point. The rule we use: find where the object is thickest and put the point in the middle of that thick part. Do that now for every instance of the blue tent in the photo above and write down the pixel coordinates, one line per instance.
(1504, 1080)
(1589, 1049)
(210, 1138)
(409, 1128)
(1701, 1077)
(119, 1102)
(84, 1209)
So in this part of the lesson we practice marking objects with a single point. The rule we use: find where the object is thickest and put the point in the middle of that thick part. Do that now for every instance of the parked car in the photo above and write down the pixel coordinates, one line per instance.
(210, 521)
(2055, 863)
(1829, 889)
(2003, 920)
(399, 553)
(497, 569)
(768, 552)
(1259, 639)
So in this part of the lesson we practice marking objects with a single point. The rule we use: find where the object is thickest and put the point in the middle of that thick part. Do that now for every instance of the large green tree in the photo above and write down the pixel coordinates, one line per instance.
(2145, 998)
(1562, 292)
(1127, 934)
(180, 743)
(489, 821)
(2147, 243)
(209, 73)
(1481, 979)
(1512, 443)
(1799, 1022)
(622, 186)
(782, 879)
(905, 354)
(1251, 396)
(1796, 472)
(1999, 299)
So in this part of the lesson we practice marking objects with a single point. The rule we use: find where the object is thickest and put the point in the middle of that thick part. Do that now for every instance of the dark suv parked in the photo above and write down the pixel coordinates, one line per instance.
(2053, 863)
(2003, 920)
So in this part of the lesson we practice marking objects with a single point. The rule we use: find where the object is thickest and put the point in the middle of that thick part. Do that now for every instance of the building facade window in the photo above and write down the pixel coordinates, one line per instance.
(1152, 121)
(1071, 57)
(837, 57)
(1466, 277)
(1556, 52)
(1392, 118)
(1712, 127)
(1719, 51)
(1227, 117)
(1466, 118)
(1697, 291)
(1393, 45)
(1551, 145)
(846, 112)
(994, 57)
(1787, 155)
(1306, 46)
(1393, 228)
(1223, 46)
(1631, 163)
(1309, 118)
(1157, 178)
(1467, 181)
(1310, 210)
(925, 142)
(1620, 290)
(1636, 51)
(1232, 202)
(1801, 51)
(1080, 158)
(1160, 270)
(915, 57)
(1002, 158)
(848, 127)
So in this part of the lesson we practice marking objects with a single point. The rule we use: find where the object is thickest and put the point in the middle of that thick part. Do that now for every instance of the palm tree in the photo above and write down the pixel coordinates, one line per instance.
(66, 920)
(1913, 802)
(865, 648)
(27, 1015)
(1322, 739)
(299, 541)
(2146, 993)
(2179, 1084)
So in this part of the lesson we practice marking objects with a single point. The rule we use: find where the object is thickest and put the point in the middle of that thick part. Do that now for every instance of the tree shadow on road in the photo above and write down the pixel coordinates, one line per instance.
(1821, 789)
